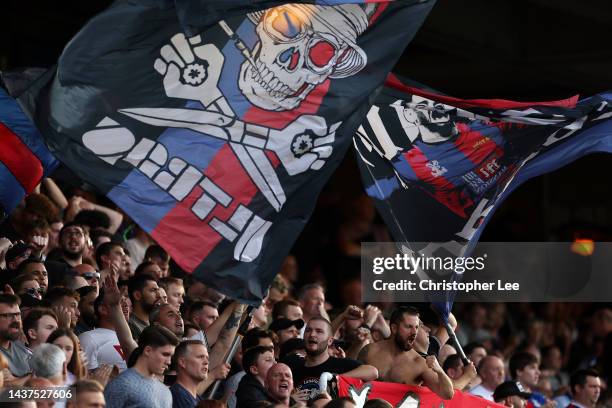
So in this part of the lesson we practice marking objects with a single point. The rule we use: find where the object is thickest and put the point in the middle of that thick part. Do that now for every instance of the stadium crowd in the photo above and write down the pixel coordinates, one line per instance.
(90, 300)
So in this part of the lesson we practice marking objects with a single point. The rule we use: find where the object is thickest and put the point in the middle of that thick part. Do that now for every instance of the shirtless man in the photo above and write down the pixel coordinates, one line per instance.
(398, 362)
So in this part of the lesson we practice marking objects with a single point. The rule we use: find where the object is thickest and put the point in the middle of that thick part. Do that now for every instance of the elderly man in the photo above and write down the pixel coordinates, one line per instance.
(49, 361)
(491, 370)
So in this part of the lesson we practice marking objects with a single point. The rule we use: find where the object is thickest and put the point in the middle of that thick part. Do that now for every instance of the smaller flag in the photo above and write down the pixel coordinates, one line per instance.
(406, 396)
(438, 167)
(24, 159)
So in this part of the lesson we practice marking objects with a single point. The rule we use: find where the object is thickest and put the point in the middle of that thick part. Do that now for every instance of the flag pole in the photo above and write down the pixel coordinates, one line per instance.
(244, 327)
(453, 337)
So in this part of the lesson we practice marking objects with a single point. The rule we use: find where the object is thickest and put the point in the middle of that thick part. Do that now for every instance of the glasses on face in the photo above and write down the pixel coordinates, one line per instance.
(91, 275)
(73, 232)
(34, 291)
(16, 315)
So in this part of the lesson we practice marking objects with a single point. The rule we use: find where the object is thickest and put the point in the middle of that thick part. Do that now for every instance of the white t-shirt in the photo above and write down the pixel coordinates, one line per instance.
(101, 346)
(483, 392)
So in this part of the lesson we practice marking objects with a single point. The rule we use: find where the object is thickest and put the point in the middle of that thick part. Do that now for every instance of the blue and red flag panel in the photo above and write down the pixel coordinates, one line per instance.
(24, 158)
(438, 167)
(218, 144)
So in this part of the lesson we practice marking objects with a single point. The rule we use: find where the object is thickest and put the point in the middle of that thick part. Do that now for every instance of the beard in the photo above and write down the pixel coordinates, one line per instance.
(73, 255)
(404, 345)
(10, 335)
(321, 348)
(148, 307)
(441, 131)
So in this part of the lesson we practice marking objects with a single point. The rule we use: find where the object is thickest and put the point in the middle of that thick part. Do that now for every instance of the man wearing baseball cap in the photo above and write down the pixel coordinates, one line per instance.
(511, 394)
(286, 329)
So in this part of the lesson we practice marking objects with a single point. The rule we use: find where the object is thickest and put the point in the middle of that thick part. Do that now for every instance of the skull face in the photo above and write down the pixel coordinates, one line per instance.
(297, 50)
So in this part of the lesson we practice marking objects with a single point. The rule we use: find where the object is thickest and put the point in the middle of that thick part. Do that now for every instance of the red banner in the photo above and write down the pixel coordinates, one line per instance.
(406, 396)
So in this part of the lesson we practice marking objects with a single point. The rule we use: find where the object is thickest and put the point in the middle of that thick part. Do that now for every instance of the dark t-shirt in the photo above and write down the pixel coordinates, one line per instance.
(250, 391)
(307, 378)
(181, 398)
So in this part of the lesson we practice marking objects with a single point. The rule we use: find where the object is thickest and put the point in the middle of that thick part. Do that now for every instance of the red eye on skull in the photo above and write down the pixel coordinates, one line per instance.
(321, 53)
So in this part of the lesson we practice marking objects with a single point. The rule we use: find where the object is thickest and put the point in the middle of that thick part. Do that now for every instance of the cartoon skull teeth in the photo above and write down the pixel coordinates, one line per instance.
(286, 67)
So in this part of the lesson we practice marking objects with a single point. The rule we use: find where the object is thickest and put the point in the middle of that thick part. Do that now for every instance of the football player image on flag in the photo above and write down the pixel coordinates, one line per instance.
(438, 166)
(218, 143)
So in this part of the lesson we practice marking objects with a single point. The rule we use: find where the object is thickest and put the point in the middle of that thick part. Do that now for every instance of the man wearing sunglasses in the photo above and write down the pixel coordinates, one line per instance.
(27, 284)
(90, 274)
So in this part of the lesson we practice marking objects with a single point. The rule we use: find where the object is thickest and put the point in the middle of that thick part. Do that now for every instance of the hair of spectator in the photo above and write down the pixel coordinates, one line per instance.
(21, 279)
(22, 265)
(137, 283)
(155, 312)
(9, 299)
(56, 294)
(156, 251)
(40, 204)
(105, 249)
(47, 360)
(251, 356)
(304, 289)
(152, 336)
(187, 325)
(519, 361)
(470, 347)
(93, 219)
(182, 349)
(251, 338)
(322, 319)
(280, 308)
(70, 224)
(98, 233)
(453, 361)
(169, 280)
(197, 306)
(32, 225)
(34, 315)
(85, 290)
(143, 265)
(377, 403)
(84, 386)
(340, 402)
(579, 377)
(398, 314)
(75, 365)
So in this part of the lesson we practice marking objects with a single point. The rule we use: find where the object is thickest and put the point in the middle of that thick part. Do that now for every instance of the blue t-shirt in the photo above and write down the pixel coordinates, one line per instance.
(131, 390)
(181, 398)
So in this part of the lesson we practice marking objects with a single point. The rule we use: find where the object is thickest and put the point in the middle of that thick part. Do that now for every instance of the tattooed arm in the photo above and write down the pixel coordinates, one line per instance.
(228, 332)
(212, 333)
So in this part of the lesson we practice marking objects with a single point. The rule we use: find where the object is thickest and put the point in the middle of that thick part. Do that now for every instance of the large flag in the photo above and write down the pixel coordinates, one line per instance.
(437, 167)
(24, 158)
(406, 396)
(219, 144)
